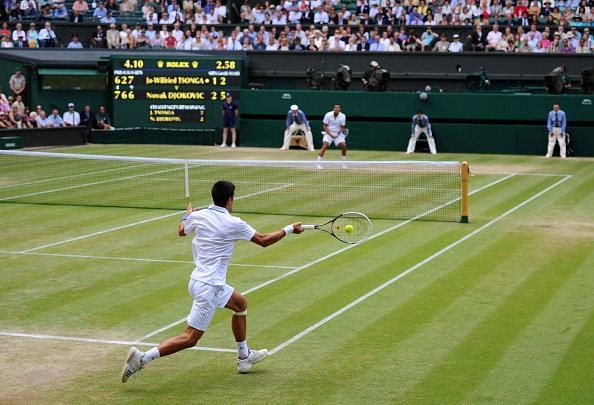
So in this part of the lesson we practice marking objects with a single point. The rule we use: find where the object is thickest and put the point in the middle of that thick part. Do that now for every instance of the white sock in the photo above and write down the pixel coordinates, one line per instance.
(319, 158)
(242, 349)
(151, 355)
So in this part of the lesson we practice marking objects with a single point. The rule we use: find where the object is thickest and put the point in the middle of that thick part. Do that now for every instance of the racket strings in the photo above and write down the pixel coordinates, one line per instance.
(351, 228)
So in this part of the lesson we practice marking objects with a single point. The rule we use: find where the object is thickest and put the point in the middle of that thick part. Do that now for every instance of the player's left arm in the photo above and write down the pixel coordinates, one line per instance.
(182, 223)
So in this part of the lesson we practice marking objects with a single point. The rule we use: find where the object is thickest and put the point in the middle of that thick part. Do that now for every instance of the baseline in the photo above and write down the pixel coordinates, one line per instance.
(103, 341)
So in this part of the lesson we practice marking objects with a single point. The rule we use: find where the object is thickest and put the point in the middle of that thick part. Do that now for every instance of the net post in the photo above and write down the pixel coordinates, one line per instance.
(464, 174)
(186, 180)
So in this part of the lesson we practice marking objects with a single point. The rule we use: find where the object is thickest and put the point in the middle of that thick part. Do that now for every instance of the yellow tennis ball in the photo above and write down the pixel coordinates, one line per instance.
(349, 228)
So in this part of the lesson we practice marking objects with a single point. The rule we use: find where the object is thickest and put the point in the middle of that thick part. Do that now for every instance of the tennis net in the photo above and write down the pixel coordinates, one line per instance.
(382, 190)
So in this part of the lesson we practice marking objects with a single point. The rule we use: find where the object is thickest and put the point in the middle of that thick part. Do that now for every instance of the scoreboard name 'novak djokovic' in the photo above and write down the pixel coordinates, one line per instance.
(184, 92)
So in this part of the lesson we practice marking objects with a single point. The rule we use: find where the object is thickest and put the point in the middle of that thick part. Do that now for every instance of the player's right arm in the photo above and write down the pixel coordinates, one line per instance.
(267, 239)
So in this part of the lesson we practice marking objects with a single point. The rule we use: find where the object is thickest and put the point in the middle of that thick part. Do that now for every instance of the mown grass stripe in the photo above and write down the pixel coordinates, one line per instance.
(547, 339)
(470, 362)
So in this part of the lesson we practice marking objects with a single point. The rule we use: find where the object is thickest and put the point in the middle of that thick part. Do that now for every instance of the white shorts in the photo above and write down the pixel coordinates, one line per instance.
(339, 139)
(206, 299)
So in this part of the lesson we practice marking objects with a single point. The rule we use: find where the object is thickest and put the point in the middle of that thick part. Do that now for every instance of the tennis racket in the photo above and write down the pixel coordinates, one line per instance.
(350, 227)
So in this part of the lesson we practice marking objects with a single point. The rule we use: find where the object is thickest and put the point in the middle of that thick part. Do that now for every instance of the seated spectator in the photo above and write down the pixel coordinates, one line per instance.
(87, 117)
(456, 45)
(15, 117)
(111, 5)
(108, 19)
(81, 6)
(157, 42)
(45, 13)
(75, 43)
(100, 12)
(126, 7)
(18, 102)
(102, 119)
(4, 121)
(59, 12)
(411, 43)
(6, 42)
(77, 17)
(54, 120)
(32, 36)
(20, 42)
(393, 46)
(71, 117)
(47, 36)
(427, 39)
(142, 41)
(18, 32)
(112, 37)
(28, 122)
(98, 38)
(42, 120)
(442, 45)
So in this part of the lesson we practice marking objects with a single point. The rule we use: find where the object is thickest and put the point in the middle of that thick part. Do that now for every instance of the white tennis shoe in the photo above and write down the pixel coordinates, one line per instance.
(255, 356)
(133, 364)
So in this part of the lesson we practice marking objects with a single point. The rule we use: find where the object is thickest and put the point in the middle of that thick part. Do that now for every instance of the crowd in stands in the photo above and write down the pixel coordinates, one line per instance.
(552, 26)
(14, 113)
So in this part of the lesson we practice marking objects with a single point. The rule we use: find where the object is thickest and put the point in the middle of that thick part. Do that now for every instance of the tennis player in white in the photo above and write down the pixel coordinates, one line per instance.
(334, 128)
(215, 233)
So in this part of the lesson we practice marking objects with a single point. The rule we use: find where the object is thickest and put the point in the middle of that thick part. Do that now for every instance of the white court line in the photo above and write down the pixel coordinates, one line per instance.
(70, 176)
(446, 249)
(523, 174)
(321, 259)
(136, 259)
(117, 228)
(89, 235)
(94, 183)
(104, 341)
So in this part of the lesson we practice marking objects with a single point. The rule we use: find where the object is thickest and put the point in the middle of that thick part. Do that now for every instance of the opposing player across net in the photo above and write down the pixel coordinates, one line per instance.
(381, 189)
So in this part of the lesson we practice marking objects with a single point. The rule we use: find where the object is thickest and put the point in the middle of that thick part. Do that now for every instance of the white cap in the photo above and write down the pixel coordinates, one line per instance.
(456, 36)
(70, 104)
(374, 64)
(294, 107)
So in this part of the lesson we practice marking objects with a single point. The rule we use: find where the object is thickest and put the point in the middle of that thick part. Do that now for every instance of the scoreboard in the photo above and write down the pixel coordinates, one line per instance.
(172, 92)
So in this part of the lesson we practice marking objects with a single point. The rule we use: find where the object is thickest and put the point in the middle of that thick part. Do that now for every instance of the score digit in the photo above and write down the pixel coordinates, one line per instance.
(133, 64)
(125, 80)
(123, 95)
(225, 64)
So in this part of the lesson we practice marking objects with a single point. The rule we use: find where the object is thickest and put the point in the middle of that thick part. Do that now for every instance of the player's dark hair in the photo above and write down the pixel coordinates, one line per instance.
(419, 111)
(221, 192)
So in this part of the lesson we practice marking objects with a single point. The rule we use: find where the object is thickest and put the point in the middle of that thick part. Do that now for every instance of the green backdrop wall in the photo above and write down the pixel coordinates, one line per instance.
(462, 122)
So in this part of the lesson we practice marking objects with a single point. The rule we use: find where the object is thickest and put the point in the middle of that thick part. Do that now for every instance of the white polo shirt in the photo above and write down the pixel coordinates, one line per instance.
(216, 232)
(334, 123)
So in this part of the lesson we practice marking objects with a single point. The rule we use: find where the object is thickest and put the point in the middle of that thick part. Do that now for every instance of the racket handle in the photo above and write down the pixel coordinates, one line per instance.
(308, 226)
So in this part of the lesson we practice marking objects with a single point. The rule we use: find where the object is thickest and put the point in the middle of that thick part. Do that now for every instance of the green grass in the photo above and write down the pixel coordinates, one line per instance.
(504, 316)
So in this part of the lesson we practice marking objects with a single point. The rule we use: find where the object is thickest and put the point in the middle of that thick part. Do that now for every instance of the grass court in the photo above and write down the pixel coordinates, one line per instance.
(499, 310)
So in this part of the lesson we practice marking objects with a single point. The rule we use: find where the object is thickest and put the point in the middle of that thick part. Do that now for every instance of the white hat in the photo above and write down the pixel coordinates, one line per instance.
(294, 107)
(70, 104)
(374, 64)
(456, 36)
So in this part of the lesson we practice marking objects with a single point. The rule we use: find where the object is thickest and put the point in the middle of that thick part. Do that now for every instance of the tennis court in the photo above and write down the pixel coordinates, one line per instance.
(497, 310)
